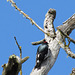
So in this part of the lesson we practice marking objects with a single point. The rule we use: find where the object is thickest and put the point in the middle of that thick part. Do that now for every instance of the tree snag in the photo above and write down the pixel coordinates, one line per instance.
(56, 40)
(14, 65)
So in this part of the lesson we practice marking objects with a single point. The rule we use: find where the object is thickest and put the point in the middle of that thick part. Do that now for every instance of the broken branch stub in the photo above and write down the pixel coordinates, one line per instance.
(13, 66)
(48, 24)
(68, 25)
(66, 29)
(38, 42)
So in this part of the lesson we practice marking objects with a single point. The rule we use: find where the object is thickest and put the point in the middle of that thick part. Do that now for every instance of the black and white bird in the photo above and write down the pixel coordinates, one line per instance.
(41, 54)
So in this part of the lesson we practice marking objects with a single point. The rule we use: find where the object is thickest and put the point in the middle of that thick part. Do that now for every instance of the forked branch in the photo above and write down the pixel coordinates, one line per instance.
(14, 65)
(18, 47)
(65, 30)
(20, 53)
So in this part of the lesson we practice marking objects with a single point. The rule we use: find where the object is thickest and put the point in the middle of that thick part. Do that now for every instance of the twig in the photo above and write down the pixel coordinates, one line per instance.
(67, 50)
(27, 17)
(24, 59)
(67, 36)
(14, 65)
(18, 47)
(37, 42)
(20, 53)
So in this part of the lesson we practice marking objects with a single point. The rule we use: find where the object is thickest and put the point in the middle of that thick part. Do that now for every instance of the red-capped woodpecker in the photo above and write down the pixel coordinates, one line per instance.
(41, 54)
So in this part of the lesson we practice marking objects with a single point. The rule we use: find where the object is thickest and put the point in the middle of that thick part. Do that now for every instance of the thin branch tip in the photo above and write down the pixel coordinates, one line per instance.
(67, 50)
(24, 59)
(27, 17)
(38, 42)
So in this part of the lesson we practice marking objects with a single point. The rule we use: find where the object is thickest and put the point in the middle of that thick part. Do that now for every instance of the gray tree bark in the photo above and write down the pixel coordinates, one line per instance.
(55, 41)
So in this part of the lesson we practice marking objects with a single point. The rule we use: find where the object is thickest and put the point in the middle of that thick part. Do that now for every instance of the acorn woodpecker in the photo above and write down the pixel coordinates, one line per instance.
(41, 54)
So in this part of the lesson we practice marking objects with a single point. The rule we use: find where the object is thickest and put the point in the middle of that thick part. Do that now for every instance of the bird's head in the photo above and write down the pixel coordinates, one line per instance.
(45, 42)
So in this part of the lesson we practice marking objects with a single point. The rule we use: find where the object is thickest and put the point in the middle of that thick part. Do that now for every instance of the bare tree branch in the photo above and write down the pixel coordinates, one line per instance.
(27, 17)
(73, 71)
(18, 47)
(37, 42)
(67, 50)
(68, 25)
(67, 37)
(20, 53)
(24, 59)
(14, 65)
(48, 24)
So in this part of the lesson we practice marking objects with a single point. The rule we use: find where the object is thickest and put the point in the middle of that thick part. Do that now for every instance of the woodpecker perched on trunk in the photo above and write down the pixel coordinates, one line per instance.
(41, 55)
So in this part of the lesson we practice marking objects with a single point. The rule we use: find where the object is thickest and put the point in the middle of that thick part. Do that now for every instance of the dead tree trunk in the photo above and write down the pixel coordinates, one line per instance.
(55, 41)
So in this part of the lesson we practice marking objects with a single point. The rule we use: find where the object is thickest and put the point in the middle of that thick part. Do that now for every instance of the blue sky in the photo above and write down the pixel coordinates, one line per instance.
(12, 23)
